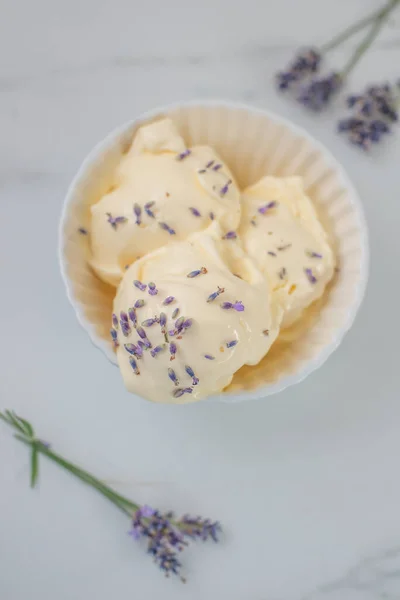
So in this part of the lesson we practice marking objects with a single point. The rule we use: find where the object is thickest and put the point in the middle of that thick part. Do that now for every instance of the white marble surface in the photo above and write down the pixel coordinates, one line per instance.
(306, 483)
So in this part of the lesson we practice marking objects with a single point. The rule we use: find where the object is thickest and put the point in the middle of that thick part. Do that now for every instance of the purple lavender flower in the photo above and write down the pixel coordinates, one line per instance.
(224, 190)
(187, 323)
(138, 212)
(217, 167)
(179, 323)
(139, 303)
(313, 254)
(142, 347)
(134, 366)
(202, 171)
(231, 235)
(183, 154)
(123, 316)
(238, 306)
(231, 344)
(166, 227)
(115, 221)
(166, 536)
(115, 320)
(131, 348)
(82, 231)
(173, 377)
(168, 300)
(163, 319)
(149, 322)
(157, 350)
(212, 216)
(319, 92)
(209, 357)
(271, 253)
(114, 337)
(194, 211)
(215, 295)
(210, 164)
(172, 350)
(363, 133)
(147, 209)
(175, 313)
(141, 333)
(267, 207)
(377, 100)
(178, 392)
(190, 372)
(304, 64)
(311, 277)
(153, 291)
(133, 316)
(141, 286)
(201, 271)
(125, 328)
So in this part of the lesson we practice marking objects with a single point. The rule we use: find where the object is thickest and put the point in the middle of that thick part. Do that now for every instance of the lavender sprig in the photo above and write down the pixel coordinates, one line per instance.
(167, 228)
(165, 535)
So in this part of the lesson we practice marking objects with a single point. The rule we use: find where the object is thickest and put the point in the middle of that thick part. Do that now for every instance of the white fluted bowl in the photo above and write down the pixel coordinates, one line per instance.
(253, 143)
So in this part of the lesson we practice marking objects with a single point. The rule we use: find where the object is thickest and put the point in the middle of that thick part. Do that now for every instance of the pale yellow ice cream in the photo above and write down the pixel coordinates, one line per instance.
(281, 232)
(203, 310)
(163, 192)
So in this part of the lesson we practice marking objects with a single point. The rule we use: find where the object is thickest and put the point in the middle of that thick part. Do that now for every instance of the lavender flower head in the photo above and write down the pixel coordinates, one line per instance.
(319, 92)
(115, 221)
(362, 132)
(305, 63)
(167, 537)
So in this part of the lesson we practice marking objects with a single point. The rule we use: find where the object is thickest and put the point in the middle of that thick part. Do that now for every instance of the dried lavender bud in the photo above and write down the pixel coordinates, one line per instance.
(139, 303)
(201, 271)
(138, 211)
(212, 216)
(266, 332)
(210, 164)
(132, 316)
(231, 344)
(114, 335)
(202, 171)
(225, 188)
(217, 167)
(125, 328)
(147, 344)
(190, 372)
(149, 322)
(209, 357)
(133, 349)
(271, 253)
(215, 295)
(134, 366)
(179, 322)
(194, 211)
(231, 235)
(166, 227)
(173, 377)
(141, 286)
(168, 300)
(115, 221)
(175, 313)
(172, 350)
(284, 247)
(311, 277)
(184, 154)
(157, 350)
(267, 207)
(153, 291)
(282, 273)
(312, 254)
(147, 209)
(123, 316)
(187, 323)
(180, 391)
(163, 319)
(115, 320)
(82, 231)
(238, 306)
(141, 333)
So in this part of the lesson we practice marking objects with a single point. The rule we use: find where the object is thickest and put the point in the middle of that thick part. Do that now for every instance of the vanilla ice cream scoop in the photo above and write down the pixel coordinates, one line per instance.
(188, 315)
(162, 192)
(280, 230)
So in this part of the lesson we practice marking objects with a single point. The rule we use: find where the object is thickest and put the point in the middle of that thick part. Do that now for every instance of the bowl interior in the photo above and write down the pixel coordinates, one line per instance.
(253, 143)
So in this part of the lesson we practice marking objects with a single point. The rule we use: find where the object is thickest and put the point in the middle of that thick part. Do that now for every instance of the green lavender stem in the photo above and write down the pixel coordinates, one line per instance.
(26, 435)
(370, 37)
(355, 28)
